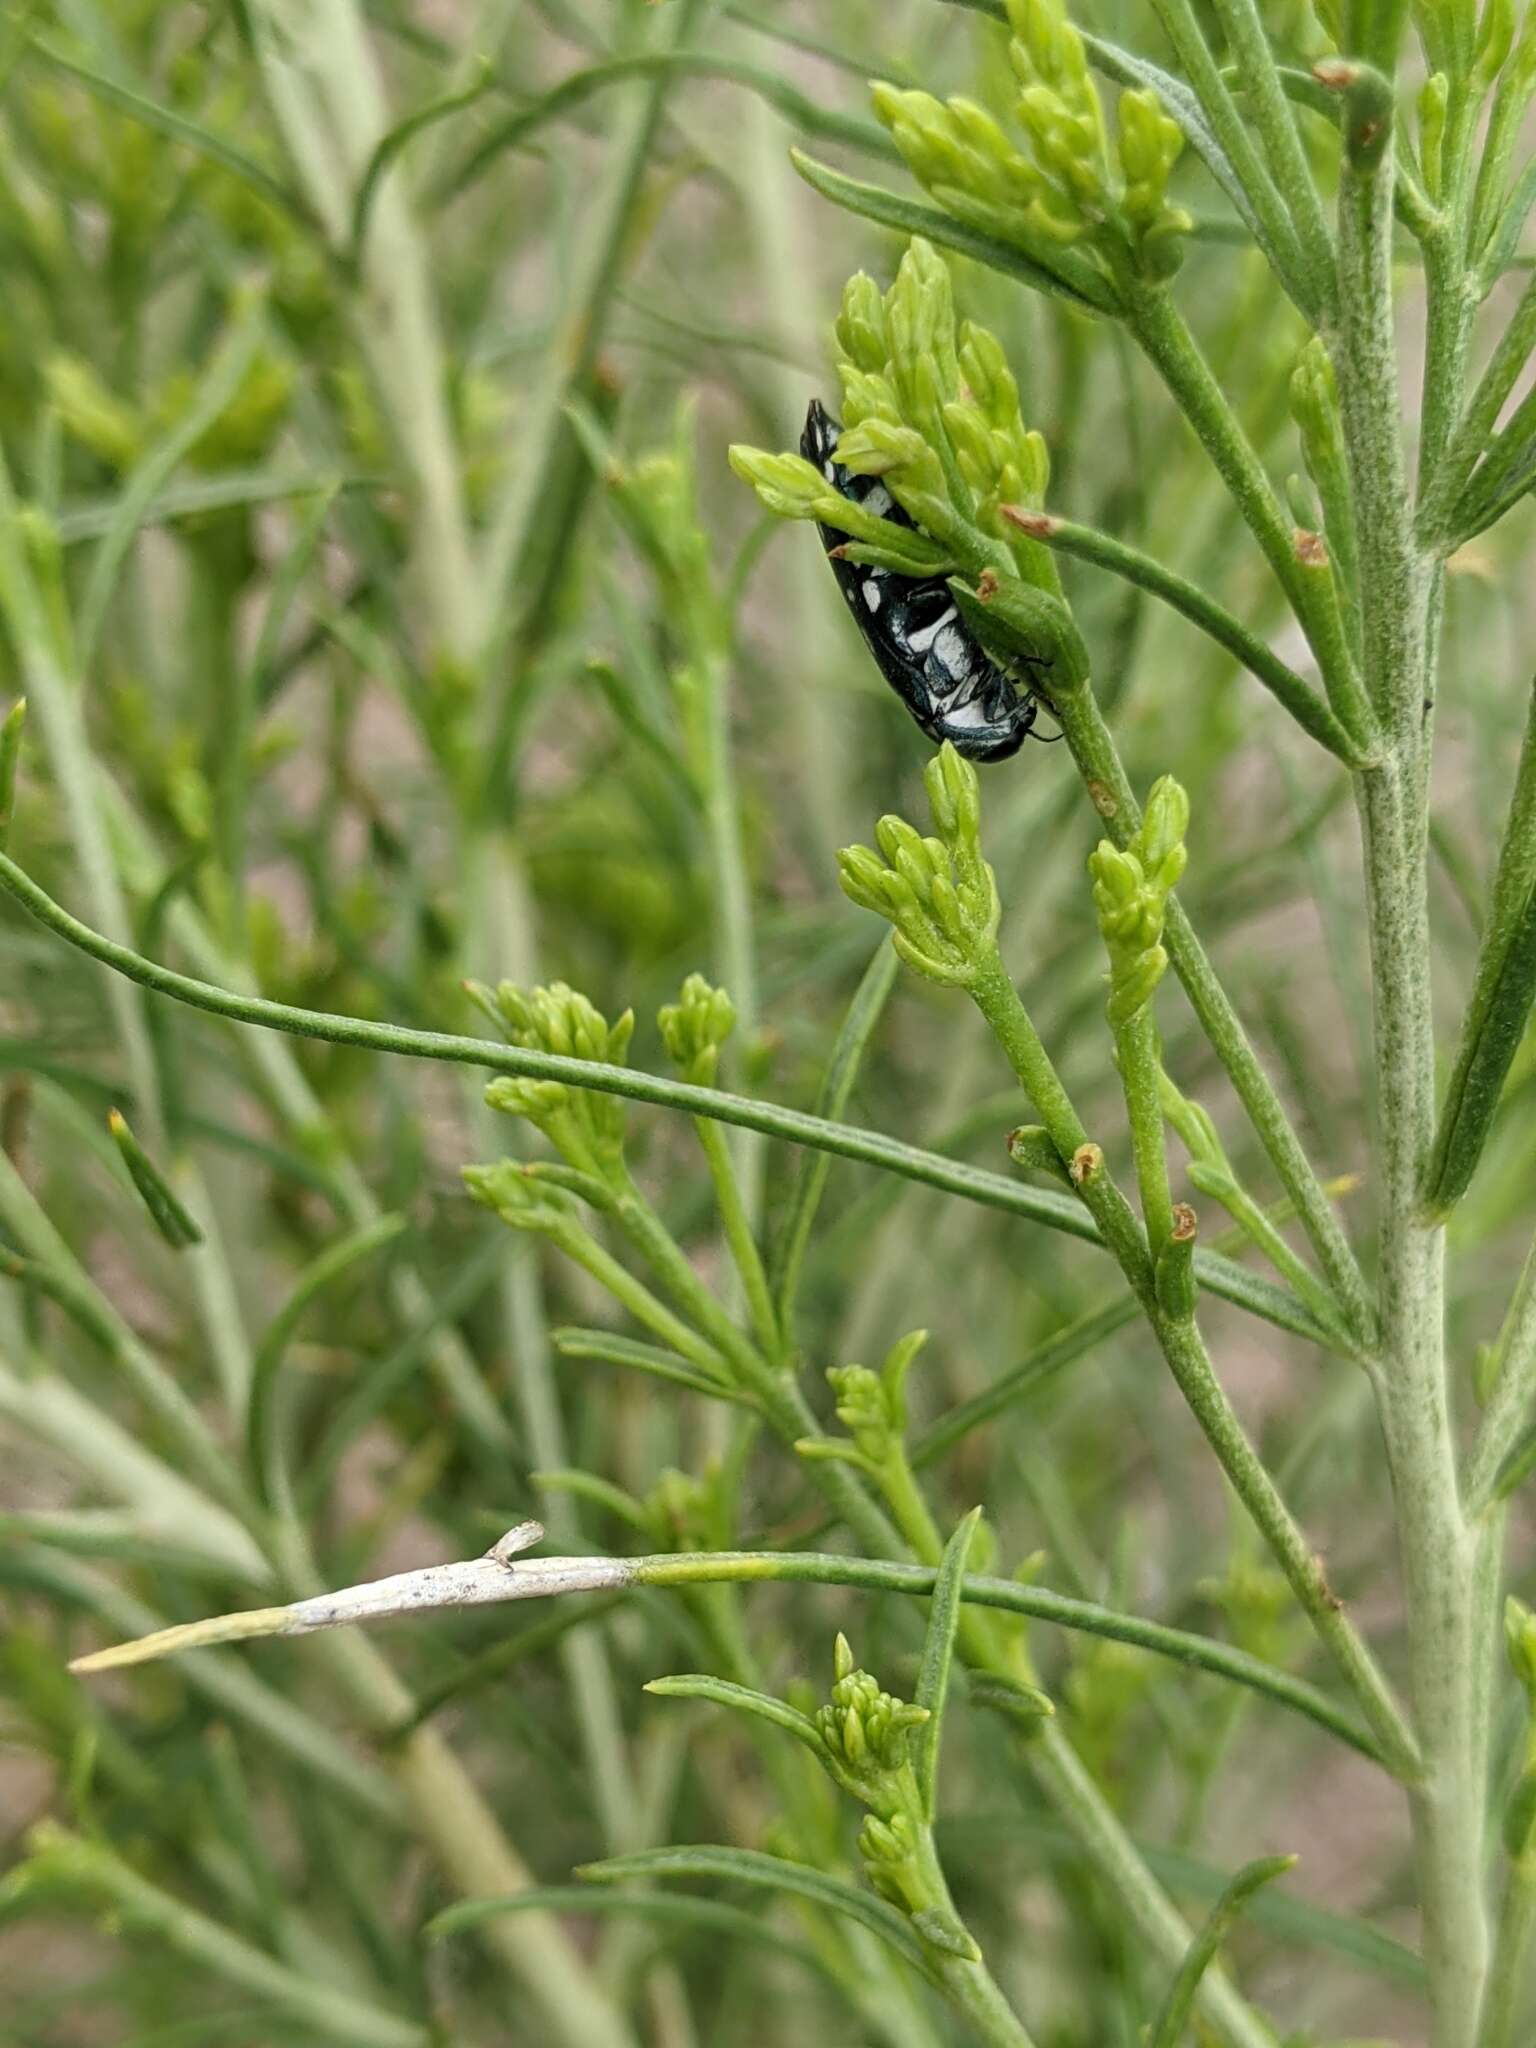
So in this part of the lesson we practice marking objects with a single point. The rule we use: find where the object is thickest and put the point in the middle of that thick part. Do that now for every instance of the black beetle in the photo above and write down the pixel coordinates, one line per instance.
(912, 625)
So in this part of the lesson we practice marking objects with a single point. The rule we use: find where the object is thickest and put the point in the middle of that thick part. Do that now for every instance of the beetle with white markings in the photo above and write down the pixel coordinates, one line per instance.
(912, 626)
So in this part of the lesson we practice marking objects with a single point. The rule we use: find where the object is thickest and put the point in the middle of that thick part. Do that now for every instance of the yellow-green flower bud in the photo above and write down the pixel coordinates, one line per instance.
(958, 152)
(1149, 145)
(860, 326)
(939, 895)
(694, 1028)
(1130, 893)
(1048, 51)
(585, 1126)
(520, 1199)
(1160, 842)
(1434, 99)
(792, 488)
(1495, 40)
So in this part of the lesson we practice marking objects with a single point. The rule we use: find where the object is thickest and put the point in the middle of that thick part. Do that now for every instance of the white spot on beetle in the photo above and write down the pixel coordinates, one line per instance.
(872, 593)
(923, 638)
(949, 646)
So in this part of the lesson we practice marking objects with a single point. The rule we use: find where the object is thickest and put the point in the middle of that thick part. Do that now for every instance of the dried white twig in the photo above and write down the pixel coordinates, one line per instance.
(475, 1582)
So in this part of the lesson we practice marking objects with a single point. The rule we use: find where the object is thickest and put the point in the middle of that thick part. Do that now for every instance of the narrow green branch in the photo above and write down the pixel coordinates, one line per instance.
(1105, 551)
(1165, 338)
(871, 1148)
(1184, 1350)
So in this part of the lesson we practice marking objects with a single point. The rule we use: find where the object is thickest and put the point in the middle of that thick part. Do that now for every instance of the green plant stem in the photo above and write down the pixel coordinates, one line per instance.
(735, 956)
(1106, 551)
(1006, 1596)
(1140, 1063)
(874, 1148)
(740, 1238)
(1478, 421)
(1275, 119)
(1514, 1391)
(1232, 133)
(1073, 1792)
(973, 1990)
(1436, 1548)
(1098, 761)
(1184, 1350)
(1161, 331)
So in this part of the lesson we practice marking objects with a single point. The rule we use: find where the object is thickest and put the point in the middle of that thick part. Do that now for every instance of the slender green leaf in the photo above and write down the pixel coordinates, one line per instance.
(1168, 2030)
(215, 389)
(667, 1909)
(394, 140)
(1061, 1349)
(613, 1349)
(1042, 1205)
(1503, 989)
(724, 1692)
(167, 1212)
(165, 121)
(493, 1664)
(1080, 284)
(938, 1652)
(772, 1873)
(263, 1444)
(599, 1492)
(797, 108)
(863, 1014)
(90, 518)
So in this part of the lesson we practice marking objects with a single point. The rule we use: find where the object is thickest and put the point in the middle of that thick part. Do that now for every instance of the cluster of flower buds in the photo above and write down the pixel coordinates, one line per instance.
(585, 1127)
(865, 1736)
(1065, 189)
(694, 1028)
(938, 894)
(524, 1198)
(931, 408)
(872, 1407)
(1130, 894)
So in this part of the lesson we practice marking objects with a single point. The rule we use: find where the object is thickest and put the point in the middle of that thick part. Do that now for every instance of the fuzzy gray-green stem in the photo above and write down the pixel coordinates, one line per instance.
(1438, 1553)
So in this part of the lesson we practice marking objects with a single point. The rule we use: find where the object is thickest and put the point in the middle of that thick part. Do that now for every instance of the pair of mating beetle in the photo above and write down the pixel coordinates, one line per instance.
(912, 626)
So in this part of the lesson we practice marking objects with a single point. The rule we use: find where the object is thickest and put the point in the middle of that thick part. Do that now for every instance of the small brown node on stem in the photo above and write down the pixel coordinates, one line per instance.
(1330, 1598)
(1104, 799)
(987, 585)
(1038, 525)
(1337, 73)
(1087, 1164)
(1311, 548)
(1186, 1223)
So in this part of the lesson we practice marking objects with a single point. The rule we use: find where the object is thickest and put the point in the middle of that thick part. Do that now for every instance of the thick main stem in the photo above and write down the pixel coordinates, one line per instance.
(1437, 1550)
